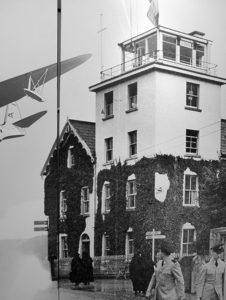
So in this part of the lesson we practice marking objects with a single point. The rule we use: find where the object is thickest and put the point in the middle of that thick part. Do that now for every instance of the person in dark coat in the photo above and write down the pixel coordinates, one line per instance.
(148, 271)
(88, 268)
(77, 270)
(136, 269)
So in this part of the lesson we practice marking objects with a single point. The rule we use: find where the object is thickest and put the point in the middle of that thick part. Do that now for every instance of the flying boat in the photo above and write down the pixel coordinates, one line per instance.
(29, 84)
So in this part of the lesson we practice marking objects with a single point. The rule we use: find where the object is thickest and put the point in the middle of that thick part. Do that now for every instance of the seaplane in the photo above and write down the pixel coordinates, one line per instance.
(29, 84)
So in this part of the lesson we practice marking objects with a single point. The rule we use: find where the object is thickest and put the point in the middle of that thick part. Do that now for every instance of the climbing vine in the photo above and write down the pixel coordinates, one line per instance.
(167, 216)
(71, 181)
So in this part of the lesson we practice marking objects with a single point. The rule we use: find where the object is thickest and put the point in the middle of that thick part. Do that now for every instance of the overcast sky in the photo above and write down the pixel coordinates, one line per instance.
(28, 41)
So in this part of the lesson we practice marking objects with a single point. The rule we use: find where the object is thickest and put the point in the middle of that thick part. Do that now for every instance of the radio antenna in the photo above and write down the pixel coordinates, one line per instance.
(101, 42)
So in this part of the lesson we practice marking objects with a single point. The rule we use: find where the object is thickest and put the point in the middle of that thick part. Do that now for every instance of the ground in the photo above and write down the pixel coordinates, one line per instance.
(106, 289)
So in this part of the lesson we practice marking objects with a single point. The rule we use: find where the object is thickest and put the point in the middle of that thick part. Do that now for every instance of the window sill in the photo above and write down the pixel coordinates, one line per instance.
(192, 108)
(192, 155)
(85, 214)
(191, 205)
(131, 209)
(131, 110)
(108, 163)
(107, 117)
(132, 157)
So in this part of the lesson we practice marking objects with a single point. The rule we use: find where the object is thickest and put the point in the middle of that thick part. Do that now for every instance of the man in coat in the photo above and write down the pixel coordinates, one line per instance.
(210, 282)
(167, 280)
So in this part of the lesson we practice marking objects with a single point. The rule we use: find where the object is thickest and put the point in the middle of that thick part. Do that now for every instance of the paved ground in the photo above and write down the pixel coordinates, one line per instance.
(106, 289)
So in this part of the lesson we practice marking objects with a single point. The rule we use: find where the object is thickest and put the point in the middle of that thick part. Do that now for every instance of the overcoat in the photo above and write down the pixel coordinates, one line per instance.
(210, 282)
(168, 281)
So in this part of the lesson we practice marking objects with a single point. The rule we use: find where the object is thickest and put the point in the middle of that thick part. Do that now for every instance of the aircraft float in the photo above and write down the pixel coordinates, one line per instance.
(29, 84)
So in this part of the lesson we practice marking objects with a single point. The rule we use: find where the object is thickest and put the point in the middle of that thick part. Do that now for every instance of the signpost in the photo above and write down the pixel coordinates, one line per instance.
(41, 228)
(154, 235)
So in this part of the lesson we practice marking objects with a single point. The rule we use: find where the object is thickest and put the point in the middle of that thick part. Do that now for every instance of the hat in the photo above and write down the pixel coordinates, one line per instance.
(218, 248)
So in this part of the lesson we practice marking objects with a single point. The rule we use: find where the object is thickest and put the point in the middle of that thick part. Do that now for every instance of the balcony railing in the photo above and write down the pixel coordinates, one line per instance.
(149, 58)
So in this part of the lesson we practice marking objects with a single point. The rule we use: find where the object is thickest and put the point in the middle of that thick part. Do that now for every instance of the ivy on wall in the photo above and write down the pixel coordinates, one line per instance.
(71, 180)
(168, 216)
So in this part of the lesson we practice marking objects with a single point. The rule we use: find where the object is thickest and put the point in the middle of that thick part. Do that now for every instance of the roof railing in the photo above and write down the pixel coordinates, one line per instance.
(158, 56)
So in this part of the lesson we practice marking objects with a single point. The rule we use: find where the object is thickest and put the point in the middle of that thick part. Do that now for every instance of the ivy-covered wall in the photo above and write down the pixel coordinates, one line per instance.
(168, 216)
(71, 181)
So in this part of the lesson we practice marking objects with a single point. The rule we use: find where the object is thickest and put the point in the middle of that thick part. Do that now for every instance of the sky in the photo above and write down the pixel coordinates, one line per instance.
(29, 40)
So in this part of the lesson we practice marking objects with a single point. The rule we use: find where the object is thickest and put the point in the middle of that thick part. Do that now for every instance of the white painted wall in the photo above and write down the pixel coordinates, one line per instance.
(161, 119)
(172, 119)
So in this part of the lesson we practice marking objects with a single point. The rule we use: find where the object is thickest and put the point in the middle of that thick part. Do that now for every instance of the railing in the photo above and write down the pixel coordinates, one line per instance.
(149, 58)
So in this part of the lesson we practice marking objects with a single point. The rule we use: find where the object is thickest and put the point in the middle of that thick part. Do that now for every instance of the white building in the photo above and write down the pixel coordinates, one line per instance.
(164, 97)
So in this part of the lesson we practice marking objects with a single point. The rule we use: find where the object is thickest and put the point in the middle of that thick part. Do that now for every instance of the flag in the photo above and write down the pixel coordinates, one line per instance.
(153, 12)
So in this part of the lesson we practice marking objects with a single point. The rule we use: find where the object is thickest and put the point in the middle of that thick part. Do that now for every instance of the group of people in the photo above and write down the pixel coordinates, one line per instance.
(167, 282)
(163, 281)
(81, 269)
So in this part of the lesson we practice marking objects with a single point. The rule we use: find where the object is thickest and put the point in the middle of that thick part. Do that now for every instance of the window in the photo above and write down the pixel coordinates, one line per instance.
(132, 92)
(223, 138)
(192, 141)
(106, 245)
(132, 143)
(107, 197)
(186, 52)
(109, 149)
(108, 104)
(63, 205)
(192, 94)
(129, 243)
(188, 239)
(199, 49)
(169, 47)
(191, 190)
(70, 157)
(63, 246)
(85, 200)
(131, 192)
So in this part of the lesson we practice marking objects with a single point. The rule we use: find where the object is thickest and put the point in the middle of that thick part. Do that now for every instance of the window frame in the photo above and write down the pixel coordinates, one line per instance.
(108, 149)
(70, 157)
(63, 205)
(190, 140)
(107, 198)
(190, 94)
(130, 195)
(106, 245)
(132, 99)
(187, 173)
(85, 202)
(64, 252)
(187, 227)
(132, 144)
(108, 107)
(169, 43)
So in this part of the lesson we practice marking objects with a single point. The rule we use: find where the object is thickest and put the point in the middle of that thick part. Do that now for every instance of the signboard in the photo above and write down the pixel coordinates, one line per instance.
(40, 222)
(153, 232)
(156, 237)
(40, 228)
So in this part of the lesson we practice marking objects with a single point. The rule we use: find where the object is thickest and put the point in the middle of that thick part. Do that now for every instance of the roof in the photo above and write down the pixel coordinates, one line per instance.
(84, 131)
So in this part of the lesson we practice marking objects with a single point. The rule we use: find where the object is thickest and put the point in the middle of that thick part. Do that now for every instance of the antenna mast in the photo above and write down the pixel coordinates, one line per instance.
(101, 41)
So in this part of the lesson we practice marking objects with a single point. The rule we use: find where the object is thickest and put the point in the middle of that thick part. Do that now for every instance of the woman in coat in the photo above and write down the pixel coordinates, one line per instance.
(167, 280)
(88, 268)
(210, 283)
(77, 270)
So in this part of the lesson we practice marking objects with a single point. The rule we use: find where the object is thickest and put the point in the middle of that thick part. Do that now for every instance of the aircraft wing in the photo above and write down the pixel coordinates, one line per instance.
(28, 121)
(12, 89)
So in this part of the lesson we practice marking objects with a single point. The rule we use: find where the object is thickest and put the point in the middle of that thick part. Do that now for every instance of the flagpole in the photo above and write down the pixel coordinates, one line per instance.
(58, 142)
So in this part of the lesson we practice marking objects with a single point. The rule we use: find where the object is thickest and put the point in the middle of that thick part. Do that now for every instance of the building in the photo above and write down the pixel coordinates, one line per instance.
(151, 159)
(162, 101)
(76, 187)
